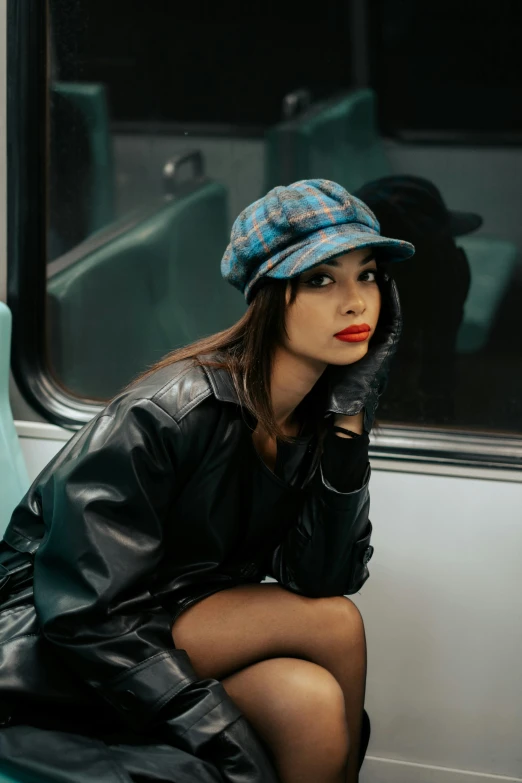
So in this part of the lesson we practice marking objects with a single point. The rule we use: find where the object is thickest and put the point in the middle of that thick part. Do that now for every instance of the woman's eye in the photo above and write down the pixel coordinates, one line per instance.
(373, 276)
(313, 280)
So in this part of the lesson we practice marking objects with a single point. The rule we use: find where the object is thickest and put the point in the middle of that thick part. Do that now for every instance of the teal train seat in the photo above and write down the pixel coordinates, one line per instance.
(149, 284)
(335, 139)
(338, 139)
(91, 101)
(14, 481)
(493, 262)
(25, 777)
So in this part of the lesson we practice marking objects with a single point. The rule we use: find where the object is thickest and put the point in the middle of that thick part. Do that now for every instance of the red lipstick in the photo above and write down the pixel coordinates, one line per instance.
(354, 334)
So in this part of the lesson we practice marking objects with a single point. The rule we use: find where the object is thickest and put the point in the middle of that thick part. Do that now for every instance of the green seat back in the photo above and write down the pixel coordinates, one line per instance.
(90, 100)
(493, 263)
(22, 777)
(153, 286)
(14, 480)
(335, 139)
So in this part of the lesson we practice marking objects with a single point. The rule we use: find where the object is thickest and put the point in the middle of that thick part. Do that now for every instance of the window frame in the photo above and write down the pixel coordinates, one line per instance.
(399, 446)
(27, 160)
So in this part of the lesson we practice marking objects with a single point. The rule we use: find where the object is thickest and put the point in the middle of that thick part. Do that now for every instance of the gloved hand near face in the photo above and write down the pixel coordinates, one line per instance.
(297, 227)
(357, 387)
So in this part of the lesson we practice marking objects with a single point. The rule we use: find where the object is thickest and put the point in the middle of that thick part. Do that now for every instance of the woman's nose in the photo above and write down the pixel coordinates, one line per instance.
(354, 301)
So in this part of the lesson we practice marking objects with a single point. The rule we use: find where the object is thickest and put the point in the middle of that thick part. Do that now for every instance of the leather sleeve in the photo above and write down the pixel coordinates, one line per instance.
(326, 550)
(345, 461)
(104, 505)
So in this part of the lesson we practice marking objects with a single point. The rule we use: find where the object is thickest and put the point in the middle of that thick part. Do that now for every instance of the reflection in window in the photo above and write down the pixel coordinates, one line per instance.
(433, 291)
(155, 149)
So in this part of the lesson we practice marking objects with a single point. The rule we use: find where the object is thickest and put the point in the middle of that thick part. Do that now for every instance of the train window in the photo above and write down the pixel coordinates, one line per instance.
(161, 122)
(445, 77)
(155, 132)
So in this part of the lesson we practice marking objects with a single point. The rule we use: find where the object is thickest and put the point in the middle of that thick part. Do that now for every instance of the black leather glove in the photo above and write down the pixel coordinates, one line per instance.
(352, 387)
(204, 721)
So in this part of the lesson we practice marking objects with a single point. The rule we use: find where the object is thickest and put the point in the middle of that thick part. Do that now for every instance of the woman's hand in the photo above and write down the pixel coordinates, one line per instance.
(353, 423)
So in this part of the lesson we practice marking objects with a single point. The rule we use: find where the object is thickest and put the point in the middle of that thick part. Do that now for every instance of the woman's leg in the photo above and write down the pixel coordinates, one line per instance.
(297, 709)
(243, 625)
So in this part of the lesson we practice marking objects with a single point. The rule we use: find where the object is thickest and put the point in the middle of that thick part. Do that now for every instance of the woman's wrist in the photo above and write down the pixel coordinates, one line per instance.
(345, 460)
(342, 432)
(352, 423)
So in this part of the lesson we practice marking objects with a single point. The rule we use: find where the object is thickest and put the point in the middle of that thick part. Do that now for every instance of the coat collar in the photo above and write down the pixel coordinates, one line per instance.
(224, 390)
(220, 380)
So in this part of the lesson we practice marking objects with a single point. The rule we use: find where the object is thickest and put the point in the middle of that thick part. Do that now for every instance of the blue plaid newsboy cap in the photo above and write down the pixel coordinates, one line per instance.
(296, 227)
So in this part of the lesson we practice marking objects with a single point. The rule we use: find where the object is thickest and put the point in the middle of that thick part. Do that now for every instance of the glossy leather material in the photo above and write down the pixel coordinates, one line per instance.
(30, 755)
(158, 501)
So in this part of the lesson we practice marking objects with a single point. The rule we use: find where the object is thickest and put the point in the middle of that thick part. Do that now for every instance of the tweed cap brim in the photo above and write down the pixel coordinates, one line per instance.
(320, 246)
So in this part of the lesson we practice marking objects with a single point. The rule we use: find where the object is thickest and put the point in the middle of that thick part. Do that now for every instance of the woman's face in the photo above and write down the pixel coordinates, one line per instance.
(340, 293)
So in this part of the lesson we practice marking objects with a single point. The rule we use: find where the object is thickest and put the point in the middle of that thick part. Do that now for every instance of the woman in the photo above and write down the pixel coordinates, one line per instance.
(144, 639)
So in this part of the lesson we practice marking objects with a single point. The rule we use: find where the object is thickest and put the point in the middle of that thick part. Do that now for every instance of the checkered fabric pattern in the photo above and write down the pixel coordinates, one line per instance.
(299, 226)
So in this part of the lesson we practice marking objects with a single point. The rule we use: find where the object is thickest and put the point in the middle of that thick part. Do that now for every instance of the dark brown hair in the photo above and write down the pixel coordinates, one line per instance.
(248, 349)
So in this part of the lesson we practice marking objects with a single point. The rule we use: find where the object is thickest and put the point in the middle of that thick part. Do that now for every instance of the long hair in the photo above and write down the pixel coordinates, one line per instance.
(248, 349)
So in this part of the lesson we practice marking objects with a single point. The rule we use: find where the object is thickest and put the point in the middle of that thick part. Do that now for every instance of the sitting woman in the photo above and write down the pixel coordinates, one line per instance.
(139, 639)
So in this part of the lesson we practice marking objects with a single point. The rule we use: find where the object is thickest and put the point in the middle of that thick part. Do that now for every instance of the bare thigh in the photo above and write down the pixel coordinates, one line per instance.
(245, 624)
(236, 634)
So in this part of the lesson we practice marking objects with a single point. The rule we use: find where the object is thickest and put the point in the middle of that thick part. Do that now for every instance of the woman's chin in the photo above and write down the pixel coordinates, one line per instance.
(349, 353)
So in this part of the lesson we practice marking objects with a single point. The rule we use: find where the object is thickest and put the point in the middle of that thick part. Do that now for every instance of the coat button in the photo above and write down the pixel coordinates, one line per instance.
(368, 552)
(127, 700)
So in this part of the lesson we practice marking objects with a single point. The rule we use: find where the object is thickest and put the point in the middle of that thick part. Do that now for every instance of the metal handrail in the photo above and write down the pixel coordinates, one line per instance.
(172, 168)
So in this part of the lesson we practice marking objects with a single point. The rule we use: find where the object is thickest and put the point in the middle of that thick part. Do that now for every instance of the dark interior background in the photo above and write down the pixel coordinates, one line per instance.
(207, 64)
(203, 65)
(468, 62)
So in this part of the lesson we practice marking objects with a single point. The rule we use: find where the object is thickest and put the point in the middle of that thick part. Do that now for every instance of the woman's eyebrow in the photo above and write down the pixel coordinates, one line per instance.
(366, 260)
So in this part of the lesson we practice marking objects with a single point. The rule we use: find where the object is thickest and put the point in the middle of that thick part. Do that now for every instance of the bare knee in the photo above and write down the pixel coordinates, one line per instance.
(297, 706)
(340, 621)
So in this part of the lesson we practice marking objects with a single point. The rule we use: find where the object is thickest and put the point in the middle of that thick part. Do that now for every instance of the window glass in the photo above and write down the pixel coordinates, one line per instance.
(466, 58)
(158, 140)
(445, 76)
(164, 126)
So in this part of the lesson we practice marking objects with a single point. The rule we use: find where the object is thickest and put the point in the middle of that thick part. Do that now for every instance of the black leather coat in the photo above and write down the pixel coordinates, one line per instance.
(150, 507)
